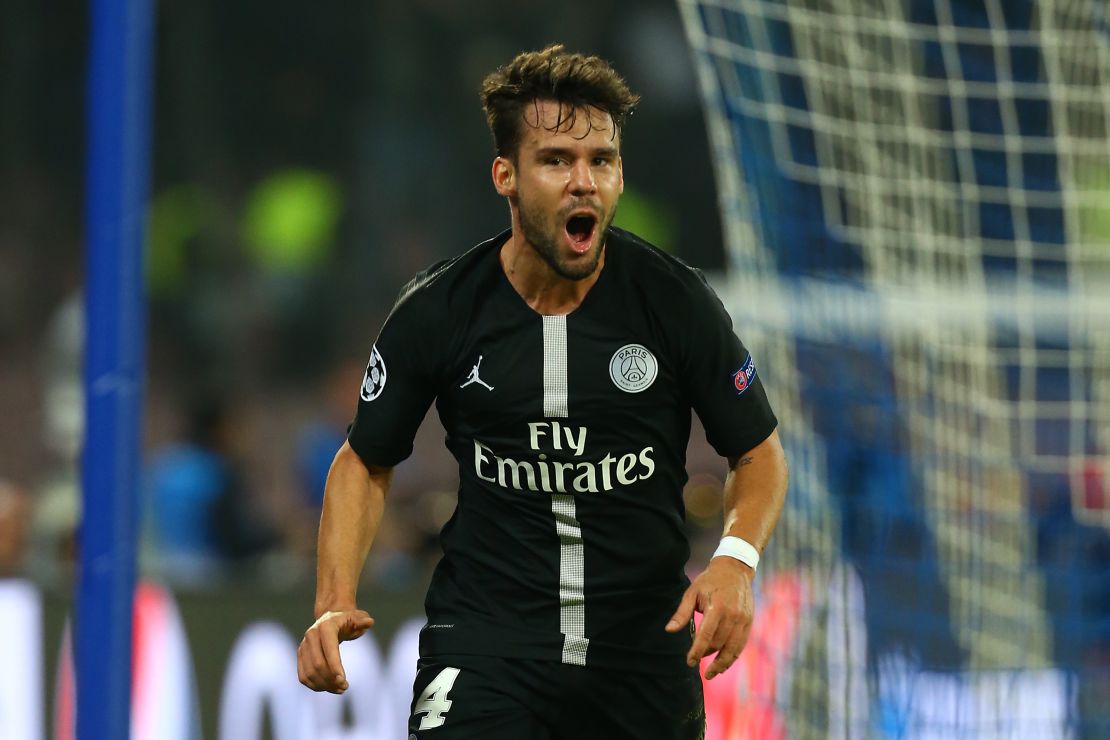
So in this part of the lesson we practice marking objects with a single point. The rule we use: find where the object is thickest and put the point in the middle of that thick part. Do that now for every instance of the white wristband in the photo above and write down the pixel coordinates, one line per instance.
(742, 550)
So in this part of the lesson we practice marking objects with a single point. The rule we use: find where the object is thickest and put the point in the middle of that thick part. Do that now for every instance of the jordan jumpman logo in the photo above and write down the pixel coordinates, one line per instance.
(473, 377)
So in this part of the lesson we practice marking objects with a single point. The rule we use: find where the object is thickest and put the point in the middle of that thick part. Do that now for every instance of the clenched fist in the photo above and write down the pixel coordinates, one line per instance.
(318, 663)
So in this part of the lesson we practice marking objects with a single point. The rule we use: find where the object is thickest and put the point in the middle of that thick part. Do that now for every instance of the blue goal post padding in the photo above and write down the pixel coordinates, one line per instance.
(118, 116)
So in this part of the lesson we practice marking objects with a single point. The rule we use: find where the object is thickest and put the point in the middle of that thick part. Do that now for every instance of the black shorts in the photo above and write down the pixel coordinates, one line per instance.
(490, 698)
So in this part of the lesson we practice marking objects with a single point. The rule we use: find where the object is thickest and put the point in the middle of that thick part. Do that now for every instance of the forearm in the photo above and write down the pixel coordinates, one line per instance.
(354, 499)
(754, 492)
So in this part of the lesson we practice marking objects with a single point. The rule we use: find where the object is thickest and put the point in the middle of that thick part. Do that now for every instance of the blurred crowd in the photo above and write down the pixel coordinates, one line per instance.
(306, 162)
(305, 165)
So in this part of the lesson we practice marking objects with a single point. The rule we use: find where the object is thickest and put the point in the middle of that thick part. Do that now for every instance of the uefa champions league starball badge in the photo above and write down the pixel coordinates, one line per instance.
(633, 368)
(374, 380)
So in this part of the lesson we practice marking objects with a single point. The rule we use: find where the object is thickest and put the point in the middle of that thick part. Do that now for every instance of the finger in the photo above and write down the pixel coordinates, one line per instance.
(355, 625)
(704, 639)
(732, 649)
(306, 663)
(329, 645)
(315, 667)
(322, 674)
(724, 660)
(685, 611)
(301, 675)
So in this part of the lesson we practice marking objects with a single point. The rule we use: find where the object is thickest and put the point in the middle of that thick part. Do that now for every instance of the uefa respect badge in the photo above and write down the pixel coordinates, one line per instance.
(743, 377)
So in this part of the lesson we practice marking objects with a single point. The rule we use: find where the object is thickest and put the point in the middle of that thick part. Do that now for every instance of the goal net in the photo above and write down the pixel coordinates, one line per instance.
(916, 201)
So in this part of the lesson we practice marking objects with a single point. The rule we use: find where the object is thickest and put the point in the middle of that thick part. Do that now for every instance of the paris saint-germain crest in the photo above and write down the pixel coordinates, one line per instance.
(633, 368)
(374, 380)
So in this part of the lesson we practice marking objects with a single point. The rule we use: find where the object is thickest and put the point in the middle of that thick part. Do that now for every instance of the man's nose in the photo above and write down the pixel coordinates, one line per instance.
(582, 178)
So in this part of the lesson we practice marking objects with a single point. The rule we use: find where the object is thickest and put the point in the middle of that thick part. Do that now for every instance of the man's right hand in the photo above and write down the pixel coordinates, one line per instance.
(318, 664)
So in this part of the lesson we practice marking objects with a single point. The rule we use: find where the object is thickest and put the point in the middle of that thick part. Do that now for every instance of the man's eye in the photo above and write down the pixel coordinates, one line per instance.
(556, 160)
(600, 161)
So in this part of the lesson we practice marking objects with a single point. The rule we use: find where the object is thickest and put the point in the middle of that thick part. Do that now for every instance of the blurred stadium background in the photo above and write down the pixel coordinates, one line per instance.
(905, 204)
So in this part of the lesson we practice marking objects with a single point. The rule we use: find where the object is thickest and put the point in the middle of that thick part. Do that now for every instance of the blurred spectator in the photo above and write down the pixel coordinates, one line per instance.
(421, 501)
(320, 438)
(201, 514)
(64, 397)
(1075, 559)
(57, 502)
(289, 231)
(884, 529)
(14, 522)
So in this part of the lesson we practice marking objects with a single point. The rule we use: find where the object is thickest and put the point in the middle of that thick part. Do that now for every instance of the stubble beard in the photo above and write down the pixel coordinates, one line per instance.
(546, 239)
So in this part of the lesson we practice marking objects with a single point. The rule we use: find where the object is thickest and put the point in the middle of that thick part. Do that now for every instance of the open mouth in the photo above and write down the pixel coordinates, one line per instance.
(580, 229)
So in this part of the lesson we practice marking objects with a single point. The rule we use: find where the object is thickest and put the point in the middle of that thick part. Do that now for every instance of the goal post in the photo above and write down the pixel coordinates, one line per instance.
(916, 203)
(118, 169)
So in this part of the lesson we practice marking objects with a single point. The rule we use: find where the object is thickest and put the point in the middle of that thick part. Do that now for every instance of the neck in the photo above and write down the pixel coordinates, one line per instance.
(545, 291)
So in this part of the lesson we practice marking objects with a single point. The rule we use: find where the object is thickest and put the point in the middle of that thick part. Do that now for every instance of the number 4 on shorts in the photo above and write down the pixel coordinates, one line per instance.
(433, 702)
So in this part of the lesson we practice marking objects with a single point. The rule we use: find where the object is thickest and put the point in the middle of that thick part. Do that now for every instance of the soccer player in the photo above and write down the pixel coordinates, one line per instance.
(564, 357)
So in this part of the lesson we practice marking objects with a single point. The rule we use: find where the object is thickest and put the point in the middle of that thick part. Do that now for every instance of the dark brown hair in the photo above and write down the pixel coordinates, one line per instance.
(573, 80)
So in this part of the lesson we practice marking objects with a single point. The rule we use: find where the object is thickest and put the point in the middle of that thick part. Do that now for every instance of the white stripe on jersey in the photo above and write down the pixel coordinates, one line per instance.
(555, 366)
(572, 596)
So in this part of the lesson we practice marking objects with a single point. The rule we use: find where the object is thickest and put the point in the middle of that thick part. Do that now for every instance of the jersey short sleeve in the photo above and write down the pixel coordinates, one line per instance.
(722, 383)
(398, 386)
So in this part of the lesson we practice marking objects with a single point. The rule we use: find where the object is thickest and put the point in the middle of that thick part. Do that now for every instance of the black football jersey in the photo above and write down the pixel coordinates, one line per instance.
(570, 434)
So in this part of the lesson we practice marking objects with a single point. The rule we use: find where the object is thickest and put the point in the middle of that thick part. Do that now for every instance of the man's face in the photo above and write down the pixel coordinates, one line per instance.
(565, 184)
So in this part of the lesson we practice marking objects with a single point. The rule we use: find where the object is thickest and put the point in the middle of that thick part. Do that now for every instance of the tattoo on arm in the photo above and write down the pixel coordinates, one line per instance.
(739, 462)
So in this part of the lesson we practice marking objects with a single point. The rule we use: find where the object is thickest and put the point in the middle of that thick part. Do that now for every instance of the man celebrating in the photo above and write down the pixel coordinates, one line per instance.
(560, 608)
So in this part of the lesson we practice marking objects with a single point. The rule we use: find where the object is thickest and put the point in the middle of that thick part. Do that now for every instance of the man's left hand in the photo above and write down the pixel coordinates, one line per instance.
(723, 594)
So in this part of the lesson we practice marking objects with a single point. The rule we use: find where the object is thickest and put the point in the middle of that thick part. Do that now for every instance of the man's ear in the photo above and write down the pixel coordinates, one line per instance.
(620, 172)
(504, 177)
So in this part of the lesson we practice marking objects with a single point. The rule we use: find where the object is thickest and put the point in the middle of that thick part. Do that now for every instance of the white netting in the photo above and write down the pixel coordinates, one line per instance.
(916, 198)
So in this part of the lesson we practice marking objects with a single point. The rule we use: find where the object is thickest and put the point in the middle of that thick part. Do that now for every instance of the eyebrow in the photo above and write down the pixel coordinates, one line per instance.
(603, 151)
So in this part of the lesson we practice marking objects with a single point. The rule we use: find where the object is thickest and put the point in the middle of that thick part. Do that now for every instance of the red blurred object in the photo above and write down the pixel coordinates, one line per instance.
(740, 704)
(1094, 487)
